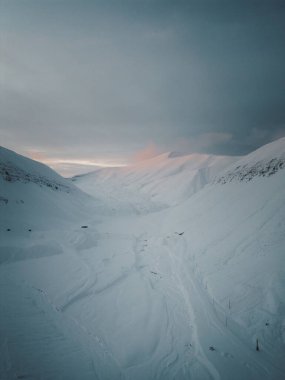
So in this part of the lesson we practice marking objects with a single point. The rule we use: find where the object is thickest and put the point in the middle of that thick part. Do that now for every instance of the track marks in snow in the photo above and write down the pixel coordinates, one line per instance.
(39, 337)
(138, 304)
(187, 294)
(232, 354)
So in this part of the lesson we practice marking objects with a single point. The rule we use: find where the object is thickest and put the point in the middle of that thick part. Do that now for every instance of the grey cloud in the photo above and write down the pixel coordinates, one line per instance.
(103, 76)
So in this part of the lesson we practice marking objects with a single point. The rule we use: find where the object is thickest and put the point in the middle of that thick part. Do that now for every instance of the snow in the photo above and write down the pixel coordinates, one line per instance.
(175, 277)
(32, 196)
(154, 181)
(263, 162)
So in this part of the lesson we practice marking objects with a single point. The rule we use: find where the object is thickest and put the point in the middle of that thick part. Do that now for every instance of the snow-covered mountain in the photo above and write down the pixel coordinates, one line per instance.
(234, 240)
(163, 180)
(264, 162)
(180, 273)
(33, 196)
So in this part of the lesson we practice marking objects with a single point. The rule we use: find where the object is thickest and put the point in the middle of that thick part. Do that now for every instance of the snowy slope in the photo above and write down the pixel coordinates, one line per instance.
(163, 180)
(37, 208)
(148, 291)
(264, 162)
(234, 239)
(33, 196)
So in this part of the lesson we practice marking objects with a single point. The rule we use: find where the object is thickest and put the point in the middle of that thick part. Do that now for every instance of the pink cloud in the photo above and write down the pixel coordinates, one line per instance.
(151, 150)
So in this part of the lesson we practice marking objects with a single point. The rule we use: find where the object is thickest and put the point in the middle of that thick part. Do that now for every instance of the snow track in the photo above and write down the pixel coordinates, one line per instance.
(189, 293)
(207, 325)
(135, 307)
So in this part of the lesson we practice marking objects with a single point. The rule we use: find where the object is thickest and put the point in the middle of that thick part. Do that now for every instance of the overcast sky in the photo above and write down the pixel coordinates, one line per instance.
(106, 81)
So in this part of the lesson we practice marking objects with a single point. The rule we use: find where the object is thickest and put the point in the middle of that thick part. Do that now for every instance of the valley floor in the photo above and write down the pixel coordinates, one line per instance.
(121, 299)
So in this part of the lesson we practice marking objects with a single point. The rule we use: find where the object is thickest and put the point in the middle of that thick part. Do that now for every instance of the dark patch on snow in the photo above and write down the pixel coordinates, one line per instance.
(175, 154)
(246, 173)
(11, 173)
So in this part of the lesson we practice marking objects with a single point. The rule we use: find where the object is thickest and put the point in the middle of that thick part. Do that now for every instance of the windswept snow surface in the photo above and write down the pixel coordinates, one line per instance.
(154, 288)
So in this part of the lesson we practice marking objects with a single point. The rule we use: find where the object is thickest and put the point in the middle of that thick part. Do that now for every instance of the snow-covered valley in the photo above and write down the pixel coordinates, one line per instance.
(172, 268)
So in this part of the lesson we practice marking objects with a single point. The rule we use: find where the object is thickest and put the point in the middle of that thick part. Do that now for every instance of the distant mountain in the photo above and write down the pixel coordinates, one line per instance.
(167, 179)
